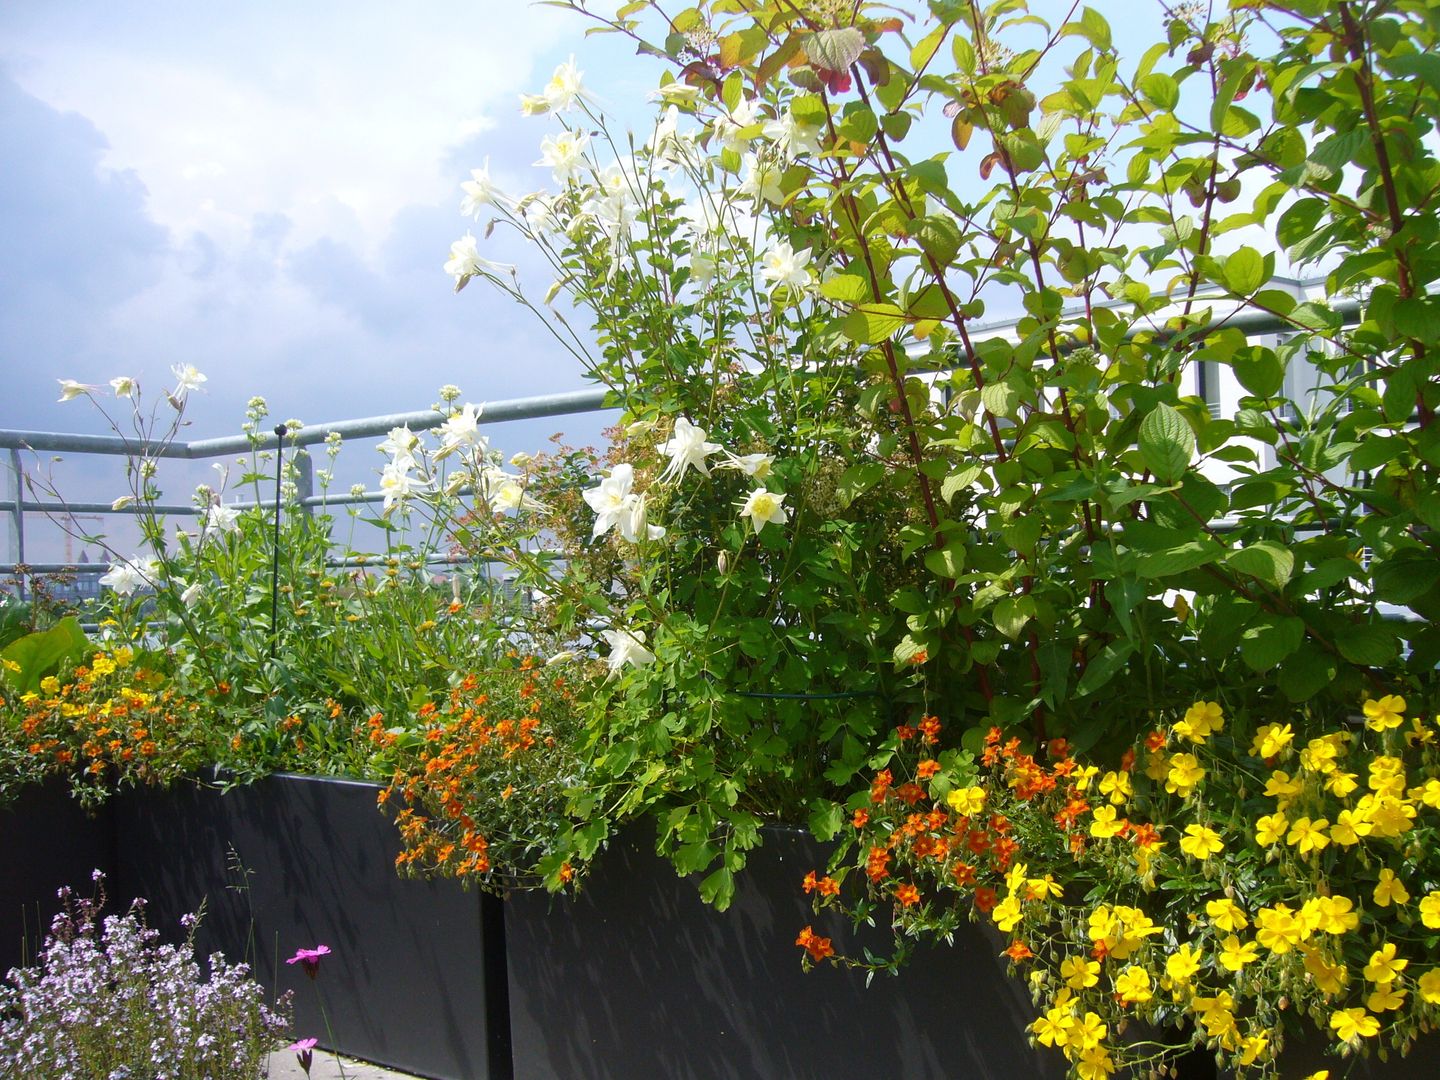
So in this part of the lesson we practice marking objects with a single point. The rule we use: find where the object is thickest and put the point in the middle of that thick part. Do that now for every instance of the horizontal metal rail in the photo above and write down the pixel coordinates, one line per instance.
(493, 412)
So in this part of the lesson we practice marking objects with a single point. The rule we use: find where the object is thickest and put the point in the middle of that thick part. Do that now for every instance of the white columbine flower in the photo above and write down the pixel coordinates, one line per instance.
(397, 484)
(756, 465)
(763, 507)
(465, 262)
(685, 448)
(564, 154)
(539, 210)
(127, 575)
(728, 128)
(123, 385)
(702, 269)
(462, 430)
(626, 647)
(70, 389)
(762, 181)
(791, 137)
(506, 492)
(633, 524)
(187, 378)
(782, 265)
(191, 594)
(222, 519)
(564, 88)
(674, 93)
(479, 191)
(608, 497)
(564, 656)
(400, 443)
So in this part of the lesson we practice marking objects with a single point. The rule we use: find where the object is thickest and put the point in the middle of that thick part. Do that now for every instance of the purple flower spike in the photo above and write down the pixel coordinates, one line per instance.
(304, 1049)
(309, 959)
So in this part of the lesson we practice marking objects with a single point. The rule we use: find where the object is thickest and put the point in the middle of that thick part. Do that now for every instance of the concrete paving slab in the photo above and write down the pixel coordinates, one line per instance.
(284, 1066)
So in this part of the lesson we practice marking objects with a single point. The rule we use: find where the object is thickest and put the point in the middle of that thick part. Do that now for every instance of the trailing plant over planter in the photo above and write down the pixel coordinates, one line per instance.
(1048, 532)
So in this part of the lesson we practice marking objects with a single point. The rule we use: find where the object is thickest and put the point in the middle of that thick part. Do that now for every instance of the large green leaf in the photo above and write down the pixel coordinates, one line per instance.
(41, 653)
(1166, 443)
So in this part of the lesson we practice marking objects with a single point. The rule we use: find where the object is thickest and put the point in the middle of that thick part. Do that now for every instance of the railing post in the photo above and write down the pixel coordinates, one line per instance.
(304, 481)
(17, 518)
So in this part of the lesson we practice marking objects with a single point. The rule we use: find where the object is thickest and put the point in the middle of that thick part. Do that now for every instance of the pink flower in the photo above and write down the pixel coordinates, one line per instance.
(305, 1048)
(309, 959)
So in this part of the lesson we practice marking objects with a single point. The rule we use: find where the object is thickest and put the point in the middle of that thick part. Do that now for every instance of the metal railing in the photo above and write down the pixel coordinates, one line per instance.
(16, 505)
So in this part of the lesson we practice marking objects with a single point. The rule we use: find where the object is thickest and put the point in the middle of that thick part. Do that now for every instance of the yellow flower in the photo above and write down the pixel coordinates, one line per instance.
(1429, 794)
(1419, 734)
(1095, 1063)
(1088, 1032)
(1270, 829)
(1202, 720)
(1185, 772)
(1329, 978)
(1387, 775)
(1117, 786)
(1429, 986)
(1390, 889)
(966, 801)
(1340, 784)
(1384, 965)
(1132, 986)
(1334, 914)
(1388, 815)
(50, 684)
(1183, 963)
(1252, 1047)
(1007, 914)
(1235, 954)
(1352, 1024)
(1278, 929)
(1079, 973)
(1226, 915)
(1386, 713)
(1347, 830)
(1156, 765)
(1053, 1029)
(1319, 755)
(1105, 823)
(1385, 997)
(1309, 835)
(1043, 888)
(1282, 789)
(1270, 740)
(1200, 842)
(103, 665)
(1430, 910)
(1081, 777)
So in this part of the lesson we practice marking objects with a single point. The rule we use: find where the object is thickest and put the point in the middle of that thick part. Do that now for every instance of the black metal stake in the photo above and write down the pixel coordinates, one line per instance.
(275, 553)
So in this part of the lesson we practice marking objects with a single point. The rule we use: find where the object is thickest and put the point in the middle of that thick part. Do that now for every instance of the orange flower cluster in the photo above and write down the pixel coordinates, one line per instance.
(458, 761)
(817, 947)
(107, 721)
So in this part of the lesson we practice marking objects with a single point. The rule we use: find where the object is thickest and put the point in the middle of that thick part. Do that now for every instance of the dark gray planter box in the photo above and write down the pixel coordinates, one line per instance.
(47, 841)
(293, 862)
(637, 978)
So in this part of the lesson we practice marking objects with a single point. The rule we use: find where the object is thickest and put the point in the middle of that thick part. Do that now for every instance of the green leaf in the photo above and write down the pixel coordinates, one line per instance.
(43, 652)
(1267, 642)
(1161, 90)
(1244, 271)
(1176, 560)
(1166, 443)
(826, 819)
(938, 236)
(835, 50)
(1012, 613)
(858, 479)
(1367, 644)
(1103, 667)
(1401, 578)
(719, 888)
(1265, 560)
(1000, 398)
(948, 562)
(846, 288)
(1259, 370)
(1305, 673)
(958, 481)
(872, 323)
(1092, 27)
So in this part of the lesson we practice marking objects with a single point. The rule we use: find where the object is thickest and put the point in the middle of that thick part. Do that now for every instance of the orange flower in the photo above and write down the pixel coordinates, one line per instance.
(567, 872)
(907, 894)
(930, 729)
(910, 793)
(985, 898)
(818, 947)
(927, 768)
(811, 883)
(829, 886)
(1018, 951)
(861, 819)
(880, 786)
(876, 864)
(963, 873)
(1155, 741)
